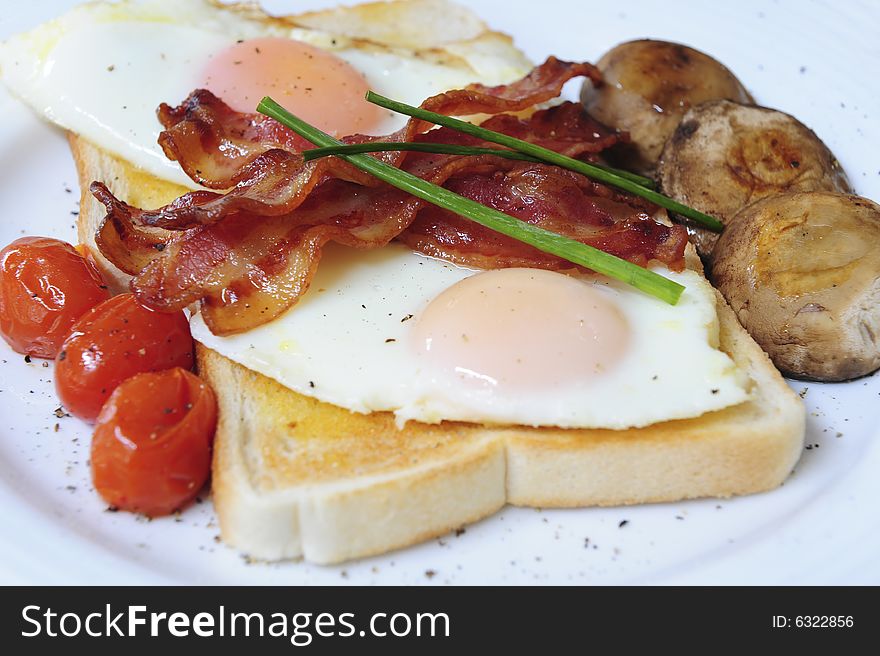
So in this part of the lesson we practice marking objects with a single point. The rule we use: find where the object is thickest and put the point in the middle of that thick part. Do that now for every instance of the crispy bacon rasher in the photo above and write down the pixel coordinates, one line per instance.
(250, 253)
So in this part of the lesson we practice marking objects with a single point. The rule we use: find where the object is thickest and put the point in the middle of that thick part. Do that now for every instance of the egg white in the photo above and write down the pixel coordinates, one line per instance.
(348, 342)
(102, 69)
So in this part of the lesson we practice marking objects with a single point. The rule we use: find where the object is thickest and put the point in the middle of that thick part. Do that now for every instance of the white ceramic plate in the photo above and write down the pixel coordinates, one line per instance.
(817, 60)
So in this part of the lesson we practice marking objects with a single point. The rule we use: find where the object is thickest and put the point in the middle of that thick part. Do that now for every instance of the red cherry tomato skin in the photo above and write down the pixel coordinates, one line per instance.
(112, 342)
(45, 286)
(151, 450)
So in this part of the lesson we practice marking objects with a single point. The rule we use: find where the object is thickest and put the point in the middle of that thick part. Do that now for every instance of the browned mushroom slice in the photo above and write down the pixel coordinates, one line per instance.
(724, 155)
(802, 273)
(648, 86)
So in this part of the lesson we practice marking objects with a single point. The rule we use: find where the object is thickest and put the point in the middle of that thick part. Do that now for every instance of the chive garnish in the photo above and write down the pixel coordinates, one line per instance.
(590, 170)
(450, 149)
(544, 240)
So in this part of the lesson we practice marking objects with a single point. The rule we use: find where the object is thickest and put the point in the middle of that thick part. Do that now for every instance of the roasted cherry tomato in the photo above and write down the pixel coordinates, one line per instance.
(151, 451)
(114, 341)
(45, 286)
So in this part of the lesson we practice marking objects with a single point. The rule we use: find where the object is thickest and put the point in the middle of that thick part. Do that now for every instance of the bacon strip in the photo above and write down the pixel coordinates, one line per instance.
(543, 83)
(249, 254)
(214, 144)
(554, 199)
(248, 269)
(220, 148)
(201, 124)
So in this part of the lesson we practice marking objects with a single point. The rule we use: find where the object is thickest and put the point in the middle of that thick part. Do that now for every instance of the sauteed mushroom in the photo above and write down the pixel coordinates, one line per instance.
(648, 86)
(802, 272)
(723, 156)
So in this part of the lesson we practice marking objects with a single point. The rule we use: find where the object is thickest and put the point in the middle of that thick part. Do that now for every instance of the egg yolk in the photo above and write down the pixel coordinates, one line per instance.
(521, 330)
(315, 85)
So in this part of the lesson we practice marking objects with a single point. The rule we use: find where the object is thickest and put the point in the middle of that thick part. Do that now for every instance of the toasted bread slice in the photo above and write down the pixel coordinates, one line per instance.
(293, 476)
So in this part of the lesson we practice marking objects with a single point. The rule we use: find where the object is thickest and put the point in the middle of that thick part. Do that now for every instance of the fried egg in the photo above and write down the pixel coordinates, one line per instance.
(392, 330)
(102, 69)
